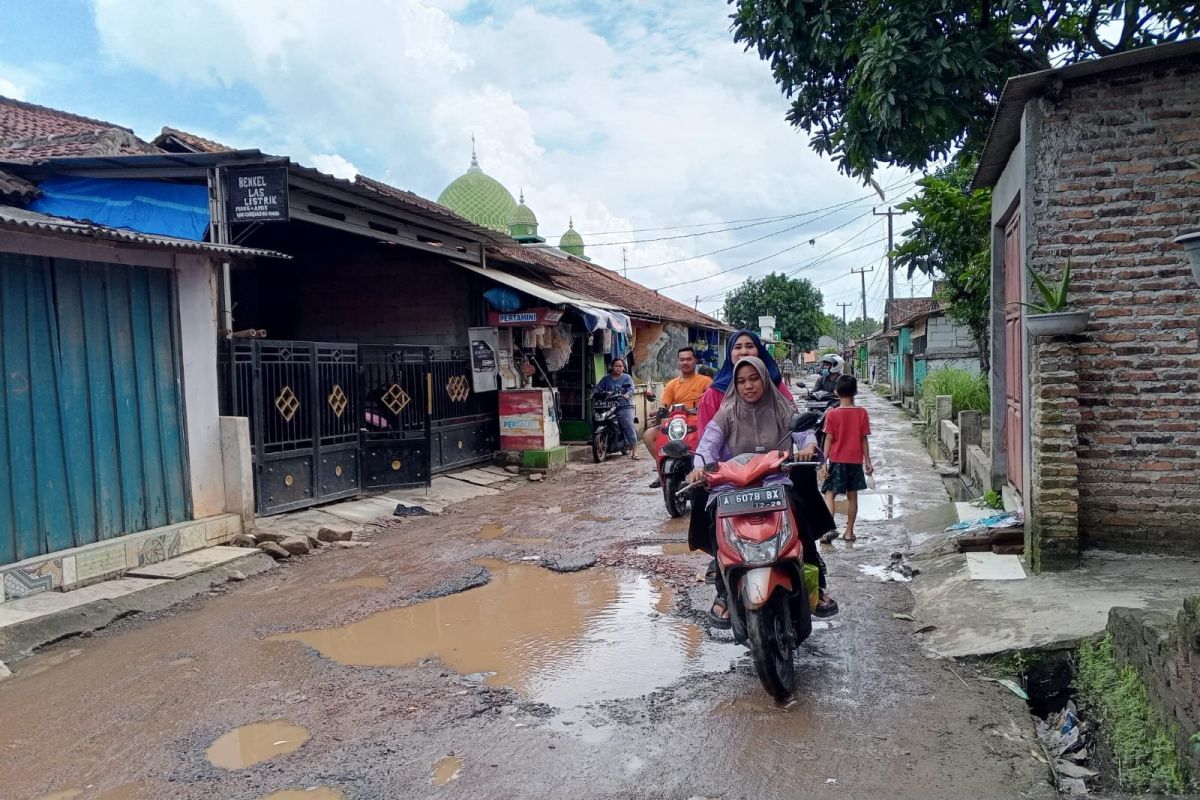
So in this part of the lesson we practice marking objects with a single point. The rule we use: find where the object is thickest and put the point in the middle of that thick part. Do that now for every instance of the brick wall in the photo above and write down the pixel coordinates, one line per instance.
(1052, 530)
(1165, 651)
(1111, 187)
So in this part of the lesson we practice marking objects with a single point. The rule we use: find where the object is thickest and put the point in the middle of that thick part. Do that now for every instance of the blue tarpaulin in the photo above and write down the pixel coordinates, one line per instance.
(167, 209)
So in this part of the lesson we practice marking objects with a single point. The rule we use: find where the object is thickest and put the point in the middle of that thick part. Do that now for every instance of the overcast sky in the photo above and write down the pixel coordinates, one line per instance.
(625, 114)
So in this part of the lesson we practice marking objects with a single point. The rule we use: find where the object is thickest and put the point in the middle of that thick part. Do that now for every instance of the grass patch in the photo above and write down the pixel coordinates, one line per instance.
(1015, 663)
(969, 392)
(1147, 760)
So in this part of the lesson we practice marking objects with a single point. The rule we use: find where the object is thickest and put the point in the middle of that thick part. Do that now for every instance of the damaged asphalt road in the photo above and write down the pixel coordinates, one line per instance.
(445, 661)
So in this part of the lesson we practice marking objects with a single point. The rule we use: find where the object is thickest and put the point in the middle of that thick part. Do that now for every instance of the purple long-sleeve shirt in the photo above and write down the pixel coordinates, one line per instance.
(712, 449)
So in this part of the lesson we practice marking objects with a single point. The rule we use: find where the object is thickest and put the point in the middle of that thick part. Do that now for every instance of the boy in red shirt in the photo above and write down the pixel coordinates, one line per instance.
(848, 454)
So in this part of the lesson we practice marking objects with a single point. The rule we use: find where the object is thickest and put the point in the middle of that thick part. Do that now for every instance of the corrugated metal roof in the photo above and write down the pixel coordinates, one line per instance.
(19, 219)
(1019, 90)
(540, 291)
(11, 186)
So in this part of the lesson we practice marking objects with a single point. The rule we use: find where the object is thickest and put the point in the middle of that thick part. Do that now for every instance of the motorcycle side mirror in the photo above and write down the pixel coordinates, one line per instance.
(803, 422)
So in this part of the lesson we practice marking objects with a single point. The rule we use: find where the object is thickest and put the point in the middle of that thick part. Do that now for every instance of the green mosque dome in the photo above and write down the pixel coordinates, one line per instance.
(480, 198)
(523, 214)
(571, 242)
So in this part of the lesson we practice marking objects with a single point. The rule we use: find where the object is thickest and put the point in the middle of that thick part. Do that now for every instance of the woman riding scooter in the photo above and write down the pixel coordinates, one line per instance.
(754, 417)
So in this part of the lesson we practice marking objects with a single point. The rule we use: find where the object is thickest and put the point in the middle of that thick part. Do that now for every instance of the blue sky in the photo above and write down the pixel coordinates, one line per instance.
(625, 114)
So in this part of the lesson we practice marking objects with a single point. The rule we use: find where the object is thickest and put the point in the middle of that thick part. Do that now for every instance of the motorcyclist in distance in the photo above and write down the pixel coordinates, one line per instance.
(831, 369)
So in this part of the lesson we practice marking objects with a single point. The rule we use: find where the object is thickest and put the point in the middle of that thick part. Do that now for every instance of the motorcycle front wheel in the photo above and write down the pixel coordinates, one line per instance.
(599, 446)
(676, 505)
(774, 659)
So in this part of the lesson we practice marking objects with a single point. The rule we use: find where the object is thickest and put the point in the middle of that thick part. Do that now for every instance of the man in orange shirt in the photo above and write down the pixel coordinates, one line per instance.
(686, 389)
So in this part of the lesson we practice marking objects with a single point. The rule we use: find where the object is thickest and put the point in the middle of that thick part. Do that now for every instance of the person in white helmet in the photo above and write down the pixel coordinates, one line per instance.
(831, 369)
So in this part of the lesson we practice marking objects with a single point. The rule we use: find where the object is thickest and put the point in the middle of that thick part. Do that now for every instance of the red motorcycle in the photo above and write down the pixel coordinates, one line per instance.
(677, 439)
(760, 554)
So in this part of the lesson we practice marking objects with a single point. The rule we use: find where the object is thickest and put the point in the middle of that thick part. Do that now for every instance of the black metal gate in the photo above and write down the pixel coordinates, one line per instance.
(464, 425)
(330, 420)
(395, 442)
(302, 399)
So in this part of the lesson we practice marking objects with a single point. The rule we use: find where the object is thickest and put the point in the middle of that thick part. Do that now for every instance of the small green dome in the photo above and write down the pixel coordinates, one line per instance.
(480, 198)
(522, 214)
(571, 242)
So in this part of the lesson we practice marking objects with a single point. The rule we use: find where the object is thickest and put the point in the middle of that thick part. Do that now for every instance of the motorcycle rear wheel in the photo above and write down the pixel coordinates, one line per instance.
(599, 447)
(676, 505)
(774, 659)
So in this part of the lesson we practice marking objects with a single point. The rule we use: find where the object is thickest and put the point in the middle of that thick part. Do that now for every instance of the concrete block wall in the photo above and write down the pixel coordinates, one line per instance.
(1052, 529)
(1165, 651)
(1110, 187)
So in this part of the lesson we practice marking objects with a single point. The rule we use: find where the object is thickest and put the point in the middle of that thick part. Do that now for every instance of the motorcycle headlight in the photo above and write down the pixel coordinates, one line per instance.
(754, 553)
(676, 429)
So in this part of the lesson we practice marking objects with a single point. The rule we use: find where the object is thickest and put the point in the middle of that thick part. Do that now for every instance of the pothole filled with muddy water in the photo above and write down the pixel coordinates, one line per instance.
(560, 639)
(252, 744)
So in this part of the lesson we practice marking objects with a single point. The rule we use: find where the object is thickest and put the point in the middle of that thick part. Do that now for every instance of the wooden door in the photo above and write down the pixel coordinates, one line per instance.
(1014, 351)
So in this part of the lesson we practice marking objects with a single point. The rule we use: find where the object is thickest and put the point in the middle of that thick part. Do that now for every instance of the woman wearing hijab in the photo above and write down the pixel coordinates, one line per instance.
(752, 418)
(741, 344)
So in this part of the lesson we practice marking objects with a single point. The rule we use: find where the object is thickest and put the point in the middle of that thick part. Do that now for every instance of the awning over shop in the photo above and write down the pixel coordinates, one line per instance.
(530, 288)
(595, 316)
(168, 209)
(598, 319)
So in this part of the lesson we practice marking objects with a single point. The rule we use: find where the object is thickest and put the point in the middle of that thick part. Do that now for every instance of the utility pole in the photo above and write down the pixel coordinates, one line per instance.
(845, 329)
(697, 306)
(891, 212)
(863, 274)
(625, 264)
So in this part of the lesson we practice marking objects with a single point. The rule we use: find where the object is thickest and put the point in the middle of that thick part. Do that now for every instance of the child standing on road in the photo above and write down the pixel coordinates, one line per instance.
(849, 456)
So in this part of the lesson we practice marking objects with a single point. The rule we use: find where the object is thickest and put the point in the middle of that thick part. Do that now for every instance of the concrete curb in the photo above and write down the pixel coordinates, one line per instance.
(20, 639)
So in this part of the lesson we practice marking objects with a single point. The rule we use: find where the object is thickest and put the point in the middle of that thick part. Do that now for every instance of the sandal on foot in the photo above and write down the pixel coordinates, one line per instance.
(715, 619)
(829, 537)
(827, 607)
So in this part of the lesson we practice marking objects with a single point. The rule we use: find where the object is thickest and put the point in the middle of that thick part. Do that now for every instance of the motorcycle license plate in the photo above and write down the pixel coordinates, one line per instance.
(765, 499)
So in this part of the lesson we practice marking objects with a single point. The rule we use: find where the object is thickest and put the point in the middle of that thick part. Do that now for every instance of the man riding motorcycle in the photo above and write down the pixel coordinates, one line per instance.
(831, 369)
(686, 389)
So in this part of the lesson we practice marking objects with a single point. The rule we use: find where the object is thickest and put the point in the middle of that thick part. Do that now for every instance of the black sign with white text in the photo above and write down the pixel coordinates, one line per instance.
(258, 194)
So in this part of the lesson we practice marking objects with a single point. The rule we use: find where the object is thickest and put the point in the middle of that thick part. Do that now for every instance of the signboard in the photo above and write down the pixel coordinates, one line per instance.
(525, 318)
(483, 359)
(257, 194)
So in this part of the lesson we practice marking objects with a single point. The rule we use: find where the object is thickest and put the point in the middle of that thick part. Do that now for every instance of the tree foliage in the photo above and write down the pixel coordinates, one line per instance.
(794, 303)
(854, 329)
(949, 242)
(907, 82)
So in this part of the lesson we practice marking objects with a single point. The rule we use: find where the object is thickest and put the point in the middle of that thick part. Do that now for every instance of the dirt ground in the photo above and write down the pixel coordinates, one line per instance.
(377, 662)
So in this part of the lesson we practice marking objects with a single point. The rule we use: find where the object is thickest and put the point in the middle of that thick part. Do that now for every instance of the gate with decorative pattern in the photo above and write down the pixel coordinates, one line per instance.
(333, 420)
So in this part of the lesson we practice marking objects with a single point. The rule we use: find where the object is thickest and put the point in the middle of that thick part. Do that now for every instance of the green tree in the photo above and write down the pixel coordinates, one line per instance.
(853, 329)
(949, 242)
(794, 303)
(907, 82)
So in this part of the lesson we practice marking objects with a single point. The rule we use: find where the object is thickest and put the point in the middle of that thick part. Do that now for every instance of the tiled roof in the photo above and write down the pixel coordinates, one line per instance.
(591, 280)
(903, 309)
(175, 141)
(32, 131)
(14, 188)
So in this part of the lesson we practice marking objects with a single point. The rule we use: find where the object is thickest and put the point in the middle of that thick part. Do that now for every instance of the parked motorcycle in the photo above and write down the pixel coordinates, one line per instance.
(677, 439)
(606, 427)
(761, 556)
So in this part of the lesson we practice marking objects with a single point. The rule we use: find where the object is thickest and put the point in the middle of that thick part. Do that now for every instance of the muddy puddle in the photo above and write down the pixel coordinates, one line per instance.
(871, 507)
(666, 549)
(446, 770)
(252, 744)
(361, 582)
(313, 793)
(492, 530)
(560, 639)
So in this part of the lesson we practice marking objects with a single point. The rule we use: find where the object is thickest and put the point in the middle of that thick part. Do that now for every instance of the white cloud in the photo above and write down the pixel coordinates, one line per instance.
(11, 89)
(333, 164)
(621, 114)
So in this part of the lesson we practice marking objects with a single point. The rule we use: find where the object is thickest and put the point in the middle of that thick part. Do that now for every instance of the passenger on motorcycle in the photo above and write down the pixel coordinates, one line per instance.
(831, 369)
(752, 418)
(686, 389)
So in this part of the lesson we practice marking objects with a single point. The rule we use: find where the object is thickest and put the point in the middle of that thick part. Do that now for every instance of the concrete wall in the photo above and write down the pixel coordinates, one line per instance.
(1165, 651)
(1110, 188)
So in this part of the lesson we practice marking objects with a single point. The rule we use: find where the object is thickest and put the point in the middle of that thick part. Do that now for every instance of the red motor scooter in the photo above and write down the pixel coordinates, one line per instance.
(677, 439)
(761, 556)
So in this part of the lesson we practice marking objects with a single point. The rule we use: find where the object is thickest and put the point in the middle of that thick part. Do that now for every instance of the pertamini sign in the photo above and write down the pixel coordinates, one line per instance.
(259, 194)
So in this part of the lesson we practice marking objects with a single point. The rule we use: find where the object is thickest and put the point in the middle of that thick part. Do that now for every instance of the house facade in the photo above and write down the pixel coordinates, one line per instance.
(1097, 436)
(938, 342)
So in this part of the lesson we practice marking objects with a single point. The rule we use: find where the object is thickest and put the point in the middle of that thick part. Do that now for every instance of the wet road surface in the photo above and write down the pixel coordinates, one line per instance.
(444, 662)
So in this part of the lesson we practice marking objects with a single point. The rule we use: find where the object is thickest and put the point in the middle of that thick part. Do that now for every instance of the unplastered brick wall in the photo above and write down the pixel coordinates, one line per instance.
(1111, 187)
(1052, 533)
(1165, 651)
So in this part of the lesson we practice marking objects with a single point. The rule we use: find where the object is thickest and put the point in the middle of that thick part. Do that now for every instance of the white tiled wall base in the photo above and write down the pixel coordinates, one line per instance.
(80, 566)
